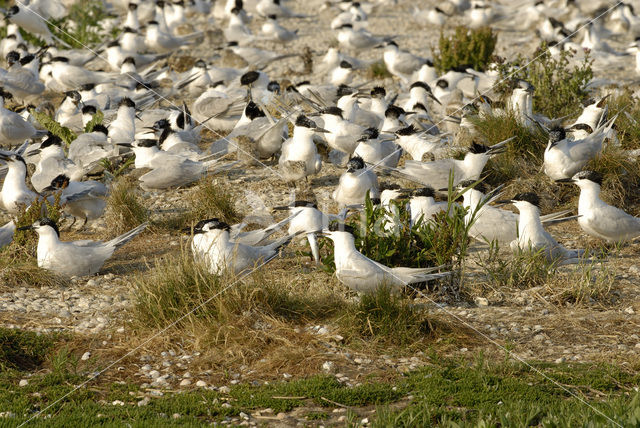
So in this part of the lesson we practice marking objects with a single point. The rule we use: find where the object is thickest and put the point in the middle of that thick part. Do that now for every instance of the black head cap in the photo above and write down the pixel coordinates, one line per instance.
(113, 44)
(200, 64)
(557, 134)
(378, 92)
(59, 59)
(147, 142)
(87, 86)
(355, 163)
(370, 134)
(162, 124)
(213, 223)
(419, 84)
(129, 60)
(344, 90)
(477, 148)
(127, 102)
(409, 130)
(89, 109)
(27, 59)
(442, 83)
(274, 87)
(48, 222)
(100, 128)
(252, 111)
(530, 197)
(335, 111)
(60, 182)
(302, 203)
(13, 57)
(424, 191)
(596, 177)
(341, 227)
(345, 64)
(132, 6)
(52, 140)
(13, 11)
(304, 121)
(394, 112)
(249, 77)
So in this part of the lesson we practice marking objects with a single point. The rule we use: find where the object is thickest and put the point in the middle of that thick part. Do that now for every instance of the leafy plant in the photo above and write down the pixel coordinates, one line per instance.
(83, 25)
(124, 207)
(560, 88)
(95, 120)
(378, 70)
(466, 47)
(65, 134)
(26, 240)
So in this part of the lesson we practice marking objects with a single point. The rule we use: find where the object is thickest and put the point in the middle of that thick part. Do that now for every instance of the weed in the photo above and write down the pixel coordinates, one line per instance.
(24, 350)
(559, 88)
(387, 319)
(97, 119)
(26, 240)
(64, 133)
(83, 25)
(465, 48)
(587, 285)
(124, 207)
(117, 168)
(524, 269)
(207, 199)
(378, 70)
(628, 122)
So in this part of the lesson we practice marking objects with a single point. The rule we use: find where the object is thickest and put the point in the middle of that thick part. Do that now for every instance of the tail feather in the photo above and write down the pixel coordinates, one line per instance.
(126, 237)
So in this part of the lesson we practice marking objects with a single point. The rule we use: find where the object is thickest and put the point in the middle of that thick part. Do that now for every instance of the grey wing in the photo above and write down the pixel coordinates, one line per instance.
(616, 222)
(495, 224)
(23, 80)
(173, 174)
(15, 127)
(435, 174)
(587, 149)
(408, 63)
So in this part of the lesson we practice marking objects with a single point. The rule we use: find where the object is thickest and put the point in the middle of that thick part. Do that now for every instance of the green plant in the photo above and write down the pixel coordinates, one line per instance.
(95, 120)
(628, 122)
(84, 24)
(54, 127)
(466, 47)
(26, 240)
(24, 350)
(378, 70)
(524, 269)
(560, 88)
(124, 207)
(117, 168)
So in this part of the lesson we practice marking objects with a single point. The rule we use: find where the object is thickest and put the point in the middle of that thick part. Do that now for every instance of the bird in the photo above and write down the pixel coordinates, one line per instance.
(213, 246)
(363, 275)
(14, 129)
(15, 195)
(160, 41)
(356, 182)
(533, 237)
(21, 82)
(6, 233)
(30, 21)
(419, 144)
(344, 135)
(377, 151)
(400, 63)
(273, 31)
(299, 157)
(71, 77)
(564, 157)
(436, 173)
(423, 206)
(74, 258)
(357, 40)
(82, 199)
(596, 217)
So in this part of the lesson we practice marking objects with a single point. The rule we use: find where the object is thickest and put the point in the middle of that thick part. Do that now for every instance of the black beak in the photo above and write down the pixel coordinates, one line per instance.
(281, 208)
(565, 180)
(503, 202)
(49, 189)
(25, 228)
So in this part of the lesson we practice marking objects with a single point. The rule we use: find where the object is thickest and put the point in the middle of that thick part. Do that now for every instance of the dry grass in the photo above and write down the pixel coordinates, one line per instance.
(208, 199)
(125, 209)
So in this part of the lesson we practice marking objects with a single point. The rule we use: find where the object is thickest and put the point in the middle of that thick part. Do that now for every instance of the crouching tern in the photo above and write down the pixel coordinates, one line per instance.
(532, 236)
(596, 217)
(360, 273)
(212, 245)
(74, 258)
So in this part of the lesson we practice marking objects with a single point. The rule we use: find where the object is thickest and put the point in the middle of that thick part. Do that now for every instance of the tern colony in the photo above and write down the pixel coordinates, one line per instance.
(362, 124)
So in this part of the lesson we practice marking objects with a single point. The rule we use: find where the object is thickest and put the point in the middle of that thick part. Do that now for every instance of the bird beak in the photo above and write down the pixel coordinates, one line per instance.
(4, 157)
(49, 189)
(322, 130)
(33, 152)
(186, 230)
(124, 144)
(433, 97)
(565, 180)
(503, 202)
(25, 228)
(280, 208)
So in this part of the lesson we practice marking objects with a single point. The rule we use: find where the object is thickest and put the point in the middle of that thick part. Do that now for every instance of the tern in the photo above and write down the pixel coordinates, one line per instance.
(355, 183)
(74, 258)
(82, 199)
(212, 244)
(596, 217)
(299, 157)
(6, 233)
(364, 275)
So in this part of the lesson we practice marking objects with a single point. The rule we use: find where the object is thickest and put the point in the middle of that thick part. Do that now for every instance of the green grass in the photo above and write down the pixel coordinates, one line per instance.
(83, 26)
(23, 350)
(466, 47)
(125, 209)
(378, 70)
(559, 87)
(446, 392)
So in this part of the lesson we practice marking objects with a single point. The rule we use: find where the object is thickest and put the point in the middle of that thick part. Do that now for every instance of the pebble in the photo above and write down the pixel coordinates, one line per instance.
(481, 301)
(144, 402)
(224, 390)
(85, 356)
(327, 366)
(23, 382)
(201, 384)
(154, 374)
(185, 382)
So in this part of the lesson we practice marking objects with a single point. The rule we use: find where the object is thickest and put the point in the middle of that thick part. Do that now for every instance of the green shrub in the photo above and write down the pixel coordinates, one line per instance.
(560, 88)
(467, 47)
(125, 209)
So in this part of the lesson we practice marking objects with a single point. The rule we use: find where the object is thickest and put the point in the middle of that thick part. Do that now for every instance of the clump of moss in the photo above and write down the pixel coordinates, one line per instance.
(466, 47)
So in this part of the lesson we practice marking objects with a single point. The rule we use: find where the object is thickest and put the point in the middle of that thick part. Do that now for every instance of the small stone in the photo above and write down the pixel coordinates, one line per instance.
(226, 405)
(118, 403)
(224, 390)
(185, 382)
(286, 375)
(243, 415)
(281, 415)
(327, 366)
(144, 402)
(154, 374)
(342, 418)
(201, 384)
(176, 416)
(323, 330)
(481, 301)
(364, 421)
(629, 310)
(561, 360)
(86, 356)
(23, 382)
(7, 414)
(145, 368)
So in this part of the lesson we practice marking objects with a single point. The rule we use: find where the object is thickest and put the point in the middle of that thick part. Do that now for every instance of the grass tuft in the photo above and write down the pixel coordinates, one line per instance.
(24, 350)
(125, 209)
(378, 70)
(466, 47)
